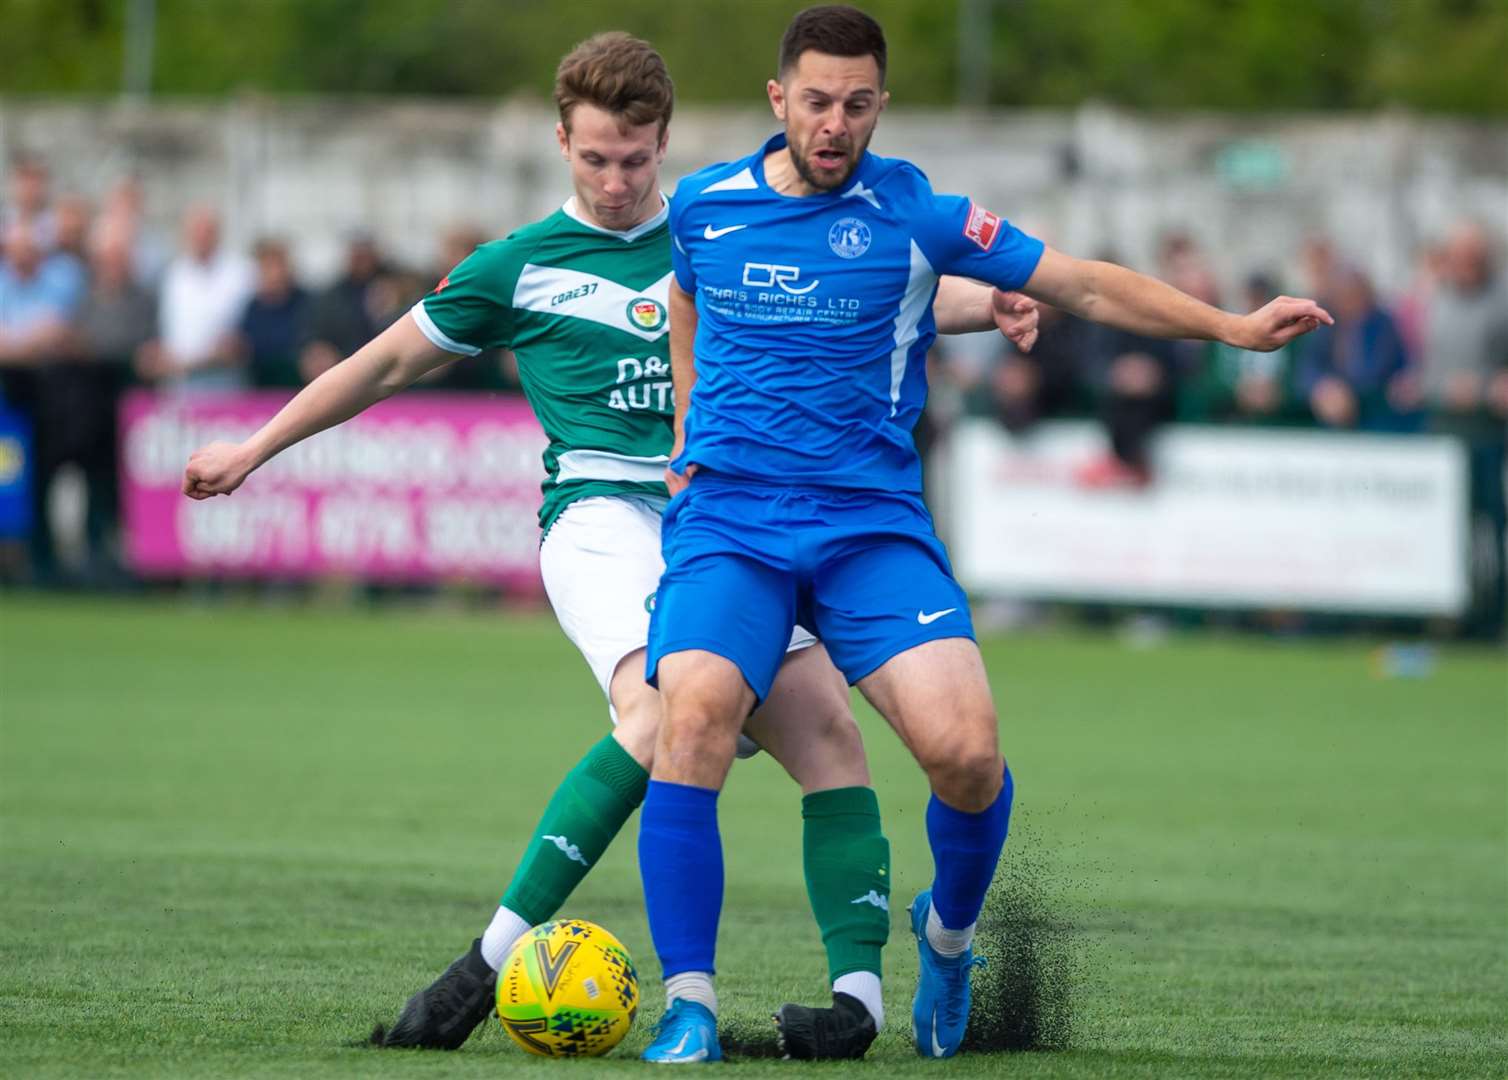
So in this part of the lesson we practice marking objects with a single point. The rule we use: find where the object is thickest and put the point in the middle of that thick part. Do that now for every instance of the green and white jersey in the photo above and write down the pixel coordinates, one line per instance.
(584, 310)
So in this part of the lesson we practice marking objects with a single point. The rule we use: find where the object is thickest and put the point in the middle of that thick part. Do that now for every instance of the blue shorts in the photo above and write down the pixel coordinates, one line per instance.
(744, 562)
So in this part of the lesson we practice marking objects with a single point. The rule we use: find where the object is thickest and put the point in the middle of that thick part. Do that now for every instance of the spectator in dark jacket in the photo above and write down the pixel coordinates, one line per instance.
(272, 326)
(1136, 387)
(1024, 388)
(1356, 374)
(346, 315)
(79, 394)
(1135, 379)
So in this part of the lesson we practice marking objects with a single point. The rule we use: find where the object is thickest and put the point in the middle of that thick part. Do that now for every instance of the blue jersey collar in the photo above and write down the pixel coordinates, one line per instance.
(778, 142)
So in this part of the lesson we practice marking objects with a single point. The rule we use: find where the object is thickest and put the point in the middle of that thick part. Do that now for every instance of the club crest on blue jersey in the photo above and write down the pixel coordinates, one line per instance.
(849, 238)
(646, 313)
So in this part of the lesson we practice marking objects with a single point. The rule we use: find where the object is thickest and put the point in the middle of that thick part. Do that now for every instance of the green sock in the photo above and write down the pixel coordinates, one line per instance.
(847, 861)
(585, 813)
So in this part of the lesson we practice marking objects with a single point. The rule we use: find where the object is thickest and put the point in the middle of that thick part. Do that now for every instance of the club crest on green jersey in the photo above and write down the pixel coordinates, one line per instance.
(646, 313)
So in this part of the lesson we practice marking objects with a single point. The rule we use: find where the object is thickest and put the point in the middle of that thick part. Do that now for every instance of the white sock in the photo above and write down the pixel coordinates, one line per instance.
(947, 942)
(502, 932)
(692, 986)
(864, 985)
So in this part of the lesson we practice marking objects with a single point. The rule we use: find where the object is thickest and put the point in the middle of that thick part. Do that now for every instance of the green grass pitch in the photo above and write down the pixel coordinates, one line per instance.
(232, 839)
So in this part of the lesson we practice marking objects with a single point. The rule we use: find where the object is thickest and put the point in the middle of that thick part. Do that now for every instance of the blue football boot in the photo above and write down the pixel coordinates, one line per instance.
(686, 1034)
(940, 1010)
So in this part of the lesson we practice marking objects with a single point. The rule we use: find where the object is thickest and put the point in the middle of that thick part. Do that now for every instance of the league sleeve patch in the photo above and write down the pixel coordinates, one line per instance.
(982, 226)
(438, 289)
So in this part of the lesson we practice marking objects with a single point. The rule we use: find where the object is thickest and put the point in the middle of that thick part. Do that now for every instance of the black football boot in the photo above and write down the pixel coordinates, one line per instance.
(843, 1031)
(445, 1013)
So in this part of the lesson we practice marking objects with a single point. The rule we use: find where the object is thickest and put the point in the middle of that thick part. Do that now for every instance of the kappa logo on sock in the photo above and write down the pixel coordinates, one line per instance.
(872, 897)
(568, 849)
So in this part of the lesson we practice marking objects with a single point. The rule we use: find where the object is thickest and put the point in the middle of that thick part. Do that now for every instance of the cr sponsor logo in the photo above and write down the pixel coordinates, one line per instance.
(777, 276)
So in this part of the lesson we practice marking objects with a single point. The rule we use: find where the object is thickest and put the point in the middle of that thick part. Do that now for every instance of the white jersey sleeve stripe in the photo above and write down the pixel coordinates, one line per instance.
(914, 304)
(743, 180)
(437, 337)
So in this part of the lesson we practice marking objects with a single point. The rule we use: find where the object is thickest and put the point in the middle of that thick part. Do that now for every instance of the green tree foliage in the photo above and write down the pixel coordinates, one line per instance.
(49, 46)
(1443, 55)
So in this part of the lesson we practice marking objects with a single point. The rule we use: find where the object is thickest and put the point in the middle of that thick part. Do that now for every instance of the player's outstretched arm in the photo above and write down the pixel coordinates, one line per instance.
(967, 307)
(683, 320)
(1122, 298)
(392, 360)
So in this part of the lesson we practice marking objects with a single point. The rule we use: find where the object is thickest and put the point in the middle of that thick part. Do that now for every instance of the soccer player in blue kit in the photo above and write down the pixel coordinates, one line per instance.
(800, 313)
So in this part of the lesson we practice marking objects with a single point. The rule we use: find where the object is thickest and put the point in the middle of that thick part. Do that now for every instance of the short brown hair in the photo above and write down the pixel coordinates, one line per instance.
(269, 247)
(834, 29)
(618, 73)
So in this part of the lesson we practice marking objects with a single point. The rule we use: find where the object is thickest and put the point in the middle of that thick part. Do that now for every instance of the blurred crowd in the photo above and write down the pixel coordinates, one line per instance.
(93, 300)
(1430, 356)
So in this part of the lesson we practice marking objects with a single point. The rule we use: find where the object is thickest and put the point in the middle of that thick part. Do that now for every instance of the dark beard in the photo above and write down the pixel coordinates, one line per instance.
(819, 182)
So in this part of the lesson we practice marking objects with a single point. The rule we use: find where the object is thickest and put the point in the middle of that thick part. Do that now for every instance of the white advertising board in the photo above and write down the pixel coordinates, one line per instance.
(1322, 521)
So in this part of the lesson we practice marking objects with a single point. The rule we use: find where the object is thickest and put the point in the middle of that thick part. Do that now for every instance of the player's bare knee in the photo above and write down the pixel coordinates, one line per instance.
(696, 745)
(834, 755)
(971, 786)
(964, 767)
(831, 723)
(695, 722)
(639, 728)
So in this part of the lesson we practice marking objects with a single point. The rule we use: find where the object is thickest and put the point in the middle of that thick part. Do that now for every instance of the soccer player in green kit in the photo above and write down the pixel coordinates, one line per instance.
(581, 298)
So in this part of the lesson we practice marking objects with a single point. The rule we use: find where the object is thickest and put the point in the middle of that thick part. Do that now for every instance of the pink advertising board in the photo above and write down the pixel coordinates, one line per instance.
(422, 487)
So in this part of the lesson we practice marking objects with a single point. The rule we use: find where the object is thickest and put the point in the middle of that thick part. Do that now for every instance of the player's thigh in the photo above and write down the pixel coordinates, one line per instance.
(728, 604)
(729, 586)
(706, 700)
(936, 696)
(876, 593)
(601, 566)
(806, 724)
(638, 709)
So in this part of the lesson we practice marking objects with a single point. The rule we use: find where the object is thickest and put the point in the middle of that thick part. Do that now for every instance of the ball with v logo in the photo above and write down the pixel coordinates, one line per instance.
(568, 989)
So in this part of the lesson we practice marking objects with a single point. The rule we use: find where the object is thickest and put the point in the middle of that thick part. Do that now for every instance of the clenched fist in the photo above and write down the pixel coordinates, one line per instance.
(216, 469)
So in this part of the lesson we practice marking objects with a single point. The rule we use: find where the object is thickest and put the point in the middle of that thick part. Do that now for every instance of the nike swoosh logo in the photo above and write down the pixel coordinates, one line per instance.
(937, 1047)
(928, 617)
(680, 1047)
(713, 234)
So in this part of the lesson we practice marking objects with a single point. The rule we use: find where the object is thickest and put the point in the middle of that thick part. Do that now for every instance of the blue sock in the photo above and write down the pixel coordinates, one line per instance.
(681, 861)
(965, 849)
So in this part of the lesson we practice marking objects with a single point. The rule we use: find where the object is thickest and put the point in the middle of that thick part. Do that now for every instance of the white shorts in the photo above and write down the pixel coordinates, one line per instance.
(601, 566)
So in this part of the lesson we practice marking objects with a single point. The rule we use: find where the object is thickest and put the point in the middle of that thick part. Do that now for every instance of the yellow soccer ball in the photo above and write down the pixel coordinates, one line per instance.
(568, 989)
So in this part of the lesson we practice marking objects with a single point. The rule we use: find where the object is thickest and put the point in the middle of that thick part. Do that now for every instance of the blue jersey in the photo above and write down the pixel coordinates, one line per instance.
(815, 316)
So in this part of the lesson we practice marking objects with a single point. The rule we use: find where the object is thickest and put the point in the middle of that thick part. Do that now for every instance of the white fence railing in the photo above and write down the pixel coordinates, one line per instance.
(1251, 189)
